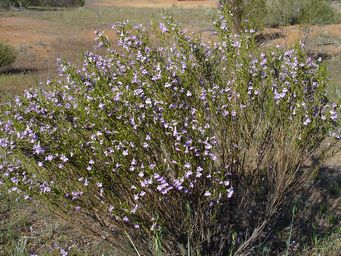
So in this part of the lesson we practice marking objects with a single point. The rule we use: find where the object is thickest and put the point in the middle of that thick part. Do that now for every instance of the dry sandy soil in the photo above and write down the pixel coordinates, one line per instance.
(153, 3)
(39, 41)
(44, 39)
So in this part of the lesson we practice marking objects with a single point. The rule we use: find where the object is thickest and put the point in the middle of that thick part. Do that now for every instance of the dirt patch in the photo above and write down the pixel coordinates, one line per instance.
(40, 39)
(153, 3)
(324, 39)
(26, 32)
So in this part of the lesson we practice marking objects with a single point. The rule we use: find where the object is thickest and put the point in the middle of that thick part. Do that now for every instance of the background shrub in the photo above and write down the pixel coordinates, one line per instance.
(257, 13)
(178, 145)
(58, 3)
(289, 12)
(7, 55)
(5, 4)
(250, 12)
(45, 3)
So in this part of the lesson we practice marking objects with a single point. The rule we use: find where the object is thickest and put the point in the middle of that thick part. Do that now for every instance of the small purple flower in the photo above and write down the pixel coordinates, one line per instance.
(163, 28)
(63, 252)
(207, 193)
(49, 158)
(37, 149)
(229, 192)
(307, 121)
(188, 174)
(64, 158)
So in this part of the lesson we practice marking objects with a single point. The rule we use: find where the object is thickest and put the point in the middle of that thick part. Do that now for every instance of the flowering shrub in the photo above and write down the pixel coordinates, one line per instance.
(171, 144)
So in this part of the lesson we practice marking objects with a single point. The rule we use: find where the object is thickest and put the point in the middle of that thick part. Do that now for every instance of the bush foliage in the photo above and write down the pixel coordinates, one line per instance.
(290, 12)
(7, 55)
(171, 144)
(252, 12)
(52, 3)
(58, 3)
(258, 13)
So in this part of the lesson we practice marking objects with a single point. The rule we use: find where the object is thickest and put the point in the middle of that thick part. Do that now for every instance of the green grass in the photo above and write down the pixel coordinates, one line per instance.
(327, 246)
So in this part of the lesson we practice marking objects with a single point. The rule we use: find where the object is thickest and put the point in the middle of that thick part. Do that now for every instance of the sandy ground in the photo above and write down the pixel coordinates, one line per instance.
(41, 36)
(40, 40)
(153, 3)
(324, 39)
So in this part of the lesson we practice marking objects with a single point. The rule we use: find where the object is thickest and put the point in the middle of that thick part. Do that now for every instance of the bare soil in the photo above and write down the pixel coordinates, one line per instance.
(153, 3)
(39, 40)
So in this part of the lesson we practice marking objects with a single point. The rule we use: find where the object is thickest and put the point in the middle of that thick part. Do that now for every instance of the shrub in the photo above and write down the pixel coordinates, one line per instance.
(289, 12)
(5, 4)
(58, 3)
(318, 12)
(176, 145)
(257, 13)
(250, 12)
(7, 55)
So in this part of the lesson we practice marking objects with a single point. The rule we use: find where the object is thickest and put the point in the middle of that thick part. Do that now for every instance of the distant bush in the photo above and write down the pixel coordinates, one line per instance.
(7, 55)
(257, 13)
(289, 12)
(250, 12)
(58, 3)
(5, 4)
(173, 144)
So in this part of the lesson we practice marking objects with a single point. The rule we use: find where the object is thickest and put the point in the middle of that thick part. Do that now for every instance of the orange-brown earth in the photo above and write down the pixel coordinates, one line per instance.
(153, 3)
(41, 41)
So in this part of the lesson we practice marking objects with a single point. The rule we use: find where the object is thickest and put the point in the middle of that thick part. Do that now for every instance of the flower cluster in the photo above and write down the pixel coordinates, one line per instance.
(164, 122)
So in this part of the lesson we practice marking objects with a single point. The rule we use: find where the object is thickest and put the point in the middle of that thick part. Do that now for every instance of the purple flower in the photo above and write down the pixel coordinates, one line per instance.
(37, 149)
(49, 158)
(64, 158)
(307, 121)
(163, 28)
(207, 193)
(187, 165)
